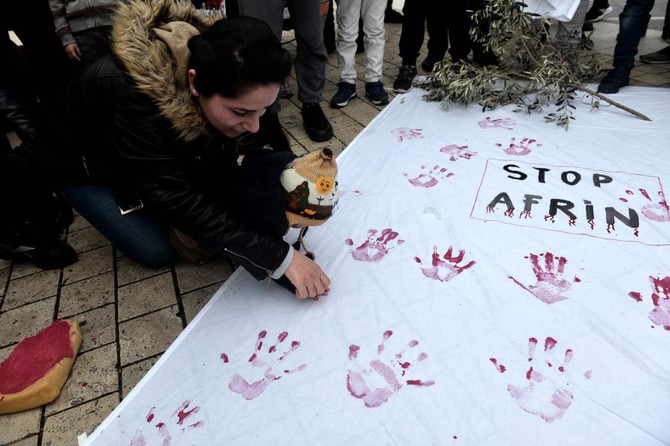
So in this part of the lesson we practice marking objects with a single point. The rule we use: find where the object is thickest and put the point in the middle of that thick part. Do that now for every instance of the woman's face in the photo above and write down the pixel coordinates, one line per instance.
(236, 116)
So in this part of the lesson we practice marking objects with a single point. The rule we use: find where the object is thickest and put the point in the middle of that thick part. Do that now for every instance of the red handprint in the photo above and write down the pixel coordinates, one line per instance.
(251, 390)
(430, 178)
(390, 370)
(443, 270)
(496, 123)
(660, 297)
(167, 431)
(550, 283)
(374, 249)
(542, 397)
(455, 152)
(520, 148)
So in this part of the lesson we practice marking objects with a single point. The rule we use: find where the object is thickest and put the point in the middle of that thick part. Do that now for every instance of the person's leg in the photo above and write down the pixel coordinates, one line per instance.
(311, 56)
(413, 30)
(569, 34)
(665, 35)
(270, 11)
(139, 235)
(437, 24)
(329, 35)
(348, 14)
(373, 27)
(310, 64)
(411, 40)
(632, 21)
(458, 22)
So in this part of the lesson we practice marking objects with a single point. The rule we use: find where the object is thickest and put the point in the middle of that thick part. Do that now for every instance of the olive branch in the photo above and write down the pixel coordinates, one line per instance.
(531, 72)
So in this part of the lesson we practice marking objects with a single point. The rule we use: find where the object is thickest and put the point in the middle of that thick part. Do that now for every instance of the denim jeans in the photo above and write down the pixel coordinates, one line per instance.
(139, 235)
(632, 22)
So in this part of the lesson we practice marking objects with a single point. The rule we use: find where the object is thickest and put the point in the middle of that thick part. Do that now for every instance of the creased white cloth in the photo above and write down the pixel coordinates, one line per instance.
(496, 281)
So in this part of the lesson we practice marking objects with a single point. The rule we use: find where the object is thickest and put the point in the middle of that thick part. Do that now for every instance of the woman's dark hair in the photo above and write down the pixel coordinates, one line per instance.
(237, 54)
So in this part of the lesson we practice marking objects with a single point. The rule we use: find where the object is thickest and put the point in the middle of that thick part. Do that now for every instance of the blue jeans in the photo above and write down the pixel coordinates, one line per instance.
(139, 235)
(632, 22)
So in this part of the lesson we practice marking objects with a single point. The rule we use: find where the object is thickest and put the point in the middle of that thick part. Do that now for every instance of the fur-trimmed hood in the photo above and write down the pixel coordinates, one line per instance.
(149, 40)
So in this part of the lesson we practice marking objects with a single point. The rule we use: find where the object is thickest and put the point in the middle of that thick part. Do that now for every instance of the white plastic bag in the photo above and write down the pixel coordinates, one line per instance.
(561, 10)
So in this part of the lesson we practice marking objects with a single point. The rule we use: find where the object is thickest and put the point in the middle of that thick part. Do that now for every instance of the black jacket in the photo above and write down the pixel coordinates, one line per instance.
(132, 118)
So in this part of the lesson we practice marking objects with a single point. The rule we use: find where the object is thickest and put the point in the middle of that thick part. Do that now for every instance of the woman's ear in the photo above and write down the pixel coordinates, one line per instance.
(191, 82)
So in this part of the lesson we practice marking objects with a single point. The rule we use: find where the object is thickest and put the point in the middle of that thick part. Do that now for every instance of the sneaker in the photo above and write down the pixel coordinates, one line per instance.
(345, 92)
(596, 15)
(660, 56)
(376, 93)
(317, 126)
(614, 80)
(429, 63)
(55, 254)
(404, 80)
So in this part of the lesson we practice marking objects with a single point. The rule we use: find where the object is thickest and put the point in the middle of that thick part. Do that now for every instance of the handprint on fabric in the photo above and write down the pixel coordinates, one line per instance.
(375, 248)
(521, 148)
(455, 152)
(447, 269)
(403, 133)
(385, 371)
(167, 431)
(430, 178)
(543, 396)
(660, 297)
(488, 123)
(251, 390)
(658, 212)
(550, 285)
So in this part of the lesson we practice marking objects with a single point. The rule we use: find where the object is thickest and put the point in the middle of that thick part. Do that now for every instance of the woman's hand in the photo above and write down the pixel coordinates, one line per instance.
(307, 277)
(72, 51)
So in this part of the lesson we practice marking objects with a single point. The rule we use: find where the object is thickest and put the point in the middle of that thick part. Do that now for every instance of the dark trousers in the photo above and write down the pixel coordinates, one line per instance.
(632, 23)
(448, 25)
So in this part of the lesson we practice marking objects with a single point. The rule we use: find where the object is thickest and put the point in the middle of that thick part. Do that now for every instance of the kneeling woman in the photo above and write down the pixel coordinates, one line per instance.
(159, 125)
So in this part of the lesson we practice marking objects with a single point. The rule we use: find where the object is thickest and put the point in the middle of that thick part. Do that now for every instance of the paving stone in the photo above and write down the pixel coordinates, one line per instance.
(86, 239)
(15, 426)
(129, 271)
(24, 321)
(87, 294)
(93, 375)
(62, 429)
(148, 335)
(191, 277)
(146, 296)
(31, 288)
(195, 300)
(98, 327)
(90, 263)
(132, 374)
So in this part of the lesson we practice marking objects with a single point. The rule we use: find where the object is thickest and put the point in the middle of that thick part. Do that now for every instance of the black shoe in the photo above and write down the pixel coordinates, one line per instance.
(617, 77)
(429, 63)
(317, 125)
(48, 255)
(404, 80)
(660, 56)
